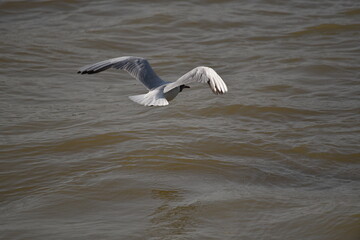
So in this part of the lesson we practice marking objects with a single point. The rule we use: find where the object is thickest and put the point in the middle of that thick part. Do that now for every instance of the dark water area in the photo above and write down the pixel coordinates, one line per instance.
(277, 157)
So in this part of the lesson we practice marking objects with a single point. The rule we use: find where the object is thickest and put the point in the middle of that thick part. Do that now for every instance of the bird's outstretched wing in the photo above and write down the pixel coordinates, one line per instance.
(201, 75)
(137, 67)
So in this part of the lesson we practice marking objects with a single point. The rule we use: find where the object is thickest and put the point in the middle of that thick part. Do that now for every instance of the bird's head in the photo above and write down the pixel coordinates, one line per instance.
(182, 87)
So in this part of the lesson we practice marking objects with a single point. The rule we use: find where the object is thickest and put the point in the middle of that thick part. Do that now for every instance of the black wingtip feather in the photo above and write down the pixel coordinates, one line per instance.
(87, 72)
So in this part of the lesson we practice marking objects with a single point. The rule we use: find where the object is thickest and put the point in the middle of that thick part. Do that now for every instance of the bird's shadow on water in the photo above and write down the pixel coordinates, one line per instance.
(171, 218)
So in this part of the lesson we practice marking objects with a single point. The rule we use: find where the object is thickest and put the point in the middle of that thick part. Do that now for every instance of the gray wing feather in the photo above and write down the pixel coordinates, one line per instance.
(137, 67)
(201, 75)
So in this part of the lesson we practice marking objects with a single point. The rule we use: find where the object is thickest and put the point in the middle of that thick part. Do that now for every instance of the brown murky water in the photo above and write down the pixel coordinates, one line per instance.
(277, 157)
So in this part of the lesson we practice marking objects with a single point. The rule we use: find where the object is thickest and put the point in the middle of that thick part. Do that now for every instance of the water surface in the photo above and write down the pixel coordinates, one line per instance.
(277, 157)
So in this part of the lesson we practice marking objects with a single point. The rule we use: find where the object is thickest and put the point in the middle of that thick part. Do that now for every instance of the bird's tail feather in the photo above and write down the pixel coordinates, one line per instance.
(149, 100)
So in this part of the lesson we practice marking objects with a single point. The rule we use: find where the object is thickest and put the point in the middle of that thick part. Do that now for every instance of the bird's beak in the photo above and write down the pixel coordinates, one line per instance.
(186, 86)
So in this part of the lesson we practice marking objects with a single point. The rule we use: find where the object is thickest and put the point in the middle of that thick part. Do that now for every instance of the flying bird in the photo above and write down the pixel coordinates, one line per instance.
(160, 91)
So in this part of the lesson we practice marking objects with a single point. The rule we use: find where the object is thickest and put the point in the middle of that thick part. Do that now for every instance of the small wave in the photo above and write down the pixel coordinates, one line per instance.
(256, 111)
(27, 5)
(282, 88)
(159, 18)
(326, 29)
(211, 24)
(69, 145)
(352, 12)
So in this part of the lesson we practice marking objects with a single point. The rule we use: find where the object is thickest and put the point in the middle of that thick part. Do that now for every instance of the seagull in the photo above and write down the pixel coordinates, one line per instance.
(160, 91)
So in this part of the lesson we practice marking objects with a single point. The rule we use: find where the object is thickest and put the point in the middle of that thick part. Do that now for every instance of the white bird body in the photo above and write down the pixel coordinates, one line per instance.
(160, 92)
